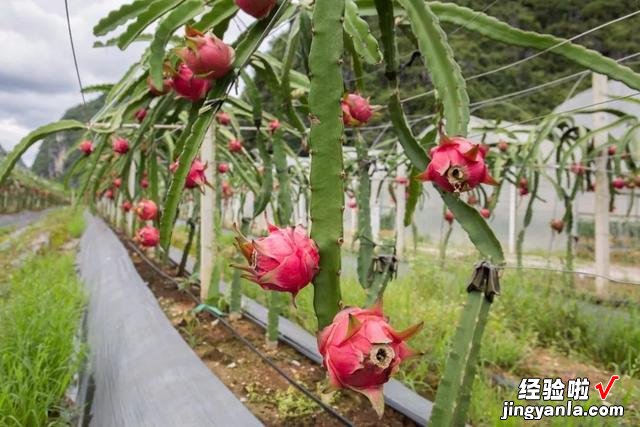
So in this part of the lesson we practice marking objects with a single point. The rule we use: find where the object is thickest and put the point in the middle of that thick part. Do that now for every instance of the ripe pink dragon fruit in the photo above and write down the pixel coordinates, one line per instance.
(578, 168)
(486, 213)
(223, 118)
(523, 184)
(120, 145)
(352, 203)
(140, 115)
(448, 216)
(361, 351)
(286, 260)
(257, 8)
(144, 182)
(167, 84)
(126, 206)
(117, 182)
(227, 190)
(557, 225)
(457, 165)
(207, 56)
(235, 146)
(356, 110)
(148, 236)
(188, 86)
(146, 210)
(86, 147)
(618, 183)
(196, 177)
(223, 167)
(274, 125)
(110, 194)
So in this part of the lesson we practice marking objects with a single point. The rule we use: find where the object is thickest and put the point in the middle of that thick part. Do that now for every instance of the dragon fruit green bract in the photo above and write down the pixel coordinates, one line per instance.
(361, 351)
(457, 165)
(286, 260)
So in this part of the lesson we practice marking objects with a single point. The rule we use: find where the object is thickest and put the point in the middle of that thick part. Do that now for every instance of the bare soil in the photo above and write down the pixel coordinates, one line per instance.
(260, 387)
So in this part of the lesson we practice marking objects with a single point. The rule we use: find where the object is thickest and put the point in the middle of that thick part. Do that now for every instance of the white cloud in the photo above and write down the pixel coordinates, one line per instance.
(37, 77)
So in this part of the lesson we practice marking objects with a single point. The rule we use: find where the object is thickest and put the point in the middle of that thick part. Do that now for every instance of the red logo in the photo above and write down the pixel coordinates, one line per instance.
(604, 392)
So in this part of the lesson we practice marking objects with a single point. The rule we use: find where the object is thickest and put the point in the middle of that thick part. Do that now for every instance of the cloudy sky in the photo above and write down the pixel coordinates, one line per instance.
(37, 76)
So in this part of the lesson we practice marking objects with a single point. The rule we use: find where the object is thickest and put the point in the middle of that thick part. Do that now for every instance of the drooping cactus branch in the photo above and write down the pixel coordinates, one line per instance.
(326, 87)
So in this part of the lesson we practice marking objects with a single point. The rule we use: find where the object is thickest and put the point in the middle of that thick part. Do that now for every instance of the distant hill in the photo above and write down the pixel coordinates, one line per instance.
(4, 153)
(53, 158)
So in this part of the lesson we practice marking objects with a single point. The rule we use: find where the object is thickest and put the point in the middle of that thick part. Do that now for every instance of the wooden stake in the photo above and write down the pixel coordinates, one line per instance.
(207, 214)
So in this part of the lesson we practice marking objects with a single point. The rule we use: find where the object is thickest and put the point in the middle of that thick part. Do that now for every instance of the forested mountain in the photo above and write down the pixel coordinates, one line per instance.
(477, 54)
(54, 157)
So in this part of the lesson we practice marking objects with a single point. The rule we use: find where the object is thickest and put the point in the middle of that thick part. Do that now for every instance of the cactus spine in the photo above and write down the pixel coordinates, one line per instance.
(326, 88)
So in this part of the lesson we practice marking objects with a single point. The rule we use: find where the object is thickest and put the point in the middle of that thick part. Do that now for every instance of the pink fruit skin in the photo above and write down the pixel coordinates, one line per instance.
(144, 182)
(274, 125)
(257, 8)
(448, 216)
(457, 165)
(207, 56)
(188, 86)
(286, 260)
(126, 206)
(110, 194)
(120, 146)
(235, 146)
(148, 236)
(486, 213)
(146, 210)
(196, 176)
(227, 190)
(356, 110)
(223, 118)
(352, 203)
(223, 168)
(618, 183)
(140, 115)
(86, 147)
(117, 182)
(361, 351)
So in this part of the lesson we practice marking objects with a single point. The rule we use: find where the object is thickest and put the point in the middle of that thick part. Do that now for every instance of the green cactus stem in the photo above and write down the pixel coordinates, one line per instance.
(325, 139)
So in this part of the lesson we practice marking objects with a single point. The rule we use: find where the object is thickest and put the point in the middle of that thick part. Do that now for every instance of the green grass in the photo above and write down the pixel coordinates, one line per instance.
(40, 306)
(536, 310)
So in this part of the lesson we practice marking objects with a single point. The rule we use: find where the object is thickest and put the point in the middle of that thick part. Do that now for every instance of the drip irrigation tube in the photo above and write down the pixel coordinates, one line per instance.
(220, 317)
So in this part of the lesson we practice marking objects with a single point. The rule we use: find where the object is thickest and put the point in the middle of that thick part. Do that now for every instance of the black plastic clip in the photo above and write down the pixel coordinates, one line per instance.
(485, 279)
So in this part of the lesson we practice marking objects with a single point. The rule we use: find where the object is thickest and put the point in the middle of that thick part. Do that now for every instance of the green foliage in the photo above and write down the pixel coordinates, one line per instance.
(12, 158)
(442, 67)
(40, 307)
(325, 139)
